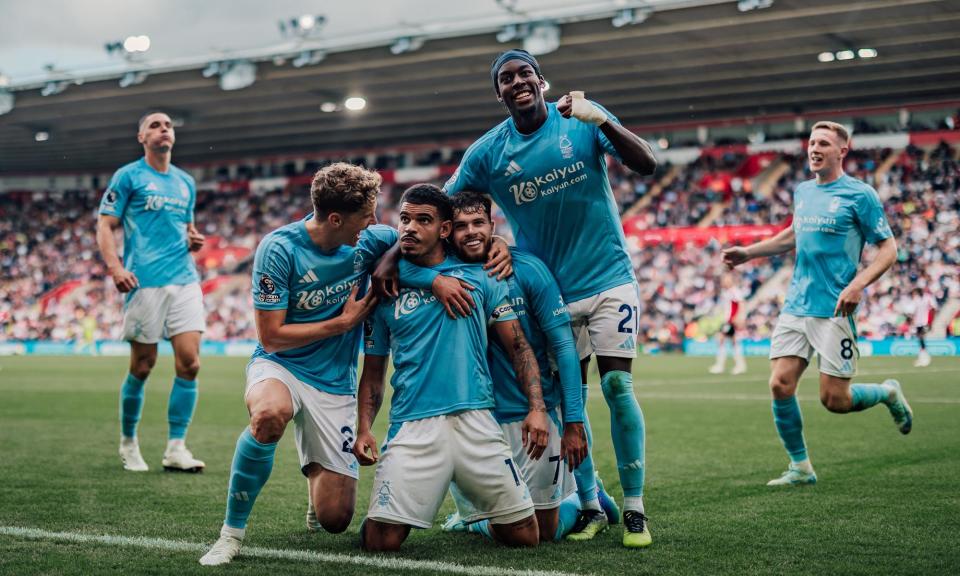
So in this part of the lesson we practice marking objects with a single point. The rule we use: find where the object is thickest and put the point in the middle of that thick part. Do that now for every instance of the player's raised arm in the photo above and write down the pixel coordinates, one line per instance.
(783, 242)
(276, 335)
(124, 279)
(369, 399)
(535, 425)
(637, 154)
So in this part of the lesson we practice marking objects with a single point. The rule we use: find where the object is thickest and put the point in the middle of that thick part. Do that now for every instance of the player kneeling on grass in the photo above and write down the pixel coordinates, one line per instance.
(833, 216)
(441, 425)
(542, 313)
(306, 279)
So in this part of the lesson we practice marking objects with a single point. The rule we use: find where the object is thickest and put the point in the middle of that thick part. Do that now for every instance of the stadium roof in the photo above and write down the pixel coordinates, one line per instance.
(692, 64)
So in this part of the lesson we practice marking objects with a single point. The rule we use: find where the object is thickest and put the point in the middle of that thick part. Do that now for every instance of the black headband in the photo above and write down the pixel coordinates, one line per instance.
(507, 56)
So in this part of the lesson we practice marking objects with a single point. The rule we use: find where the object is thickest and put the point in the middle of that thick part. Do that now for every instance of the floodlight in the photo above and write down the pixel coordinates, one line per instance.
(355, 103)
(6, 102)
(238, 75)
(543, 39)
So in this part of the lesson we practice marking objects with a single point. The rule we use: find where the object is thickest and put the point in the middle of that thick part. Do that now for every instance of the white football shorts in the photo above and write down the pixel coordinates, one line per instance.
(324, 423)
(833, 339)
(422, 457)
(163, 312)
(606, 324)
(548, 479)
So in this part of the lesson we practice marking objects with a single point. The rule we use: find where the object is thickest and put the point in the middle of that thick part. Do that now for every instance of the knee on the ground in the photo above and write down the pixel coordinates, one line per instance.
(334, 519)
(520, 534)
(383, 538)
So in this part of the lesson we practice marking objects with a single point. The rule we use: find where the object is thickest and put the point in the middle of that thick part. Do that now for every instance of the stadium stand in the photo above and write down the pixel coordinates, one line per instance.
(676, 221)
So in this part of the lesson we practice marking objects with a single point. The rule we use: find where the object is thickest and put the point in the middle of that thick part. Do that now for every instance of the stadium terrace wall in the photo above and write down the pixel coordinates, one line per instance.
(244, 348)
(885, 347)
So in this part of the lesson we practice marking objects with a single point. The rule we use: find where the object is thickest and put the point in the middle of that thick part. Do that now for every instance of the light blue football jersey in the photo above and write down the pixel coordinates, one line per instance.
(440, 363)
(553, 187)
(291, 273)
(831, 223)
(538, 305)
(155, 209)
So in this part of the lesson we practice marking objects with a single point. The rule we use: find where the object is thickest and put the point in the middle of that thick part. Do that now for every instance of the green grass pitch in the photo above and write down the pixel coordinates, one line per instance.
(884, 504)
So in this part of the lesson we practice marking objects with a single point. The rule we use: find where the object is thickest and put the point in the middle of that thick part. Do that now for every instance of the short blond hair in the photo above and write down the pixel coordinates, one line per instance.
(343, 188)
(838, 129)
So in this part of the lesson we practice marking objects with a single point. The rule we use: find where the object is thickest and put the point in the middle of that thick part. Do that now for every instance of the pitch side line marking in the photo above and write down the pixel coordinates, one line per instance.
(755, 376)
(764, 397)
(381, 562)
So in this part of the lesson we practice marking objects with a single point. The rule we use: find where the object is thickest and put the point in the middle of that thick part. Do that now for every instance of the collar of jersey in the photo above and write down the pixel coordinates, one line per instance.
(551, 111)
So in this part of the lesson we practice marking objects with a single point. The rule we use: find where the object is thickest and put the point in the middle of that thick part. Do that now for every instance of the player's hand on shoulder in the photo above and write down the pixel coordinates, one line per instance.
(535, 433)
(499, 260)
(573, 444)
(454, 294)
(365, 449)
(356, 310)
(734, 256)
(124, 279)
(195, 239)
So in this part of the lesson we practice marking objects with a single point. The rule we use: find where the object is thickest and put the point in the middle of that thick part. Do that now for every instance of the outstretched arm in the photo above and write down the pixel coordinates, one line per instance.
(783, 242)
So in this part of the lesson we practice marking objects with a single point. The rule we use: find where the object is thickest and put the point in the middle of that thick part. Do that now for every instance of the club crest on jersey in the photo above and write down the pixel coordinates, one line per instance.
(358, 262)
(184, 191)
(268, 290)
(834, 204)
(566, 147)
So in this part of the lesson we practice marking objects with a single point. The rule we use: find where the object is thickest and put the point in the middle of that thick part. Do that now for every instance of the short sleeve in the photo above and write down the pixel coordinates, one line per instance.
(375, 241)
(543, 293)
(871, 219)
(271, 273)
(117, 195)
(192, 187)
(376, 335)
(602, 139)
(470, 175)
(497, 301)
(416, 276)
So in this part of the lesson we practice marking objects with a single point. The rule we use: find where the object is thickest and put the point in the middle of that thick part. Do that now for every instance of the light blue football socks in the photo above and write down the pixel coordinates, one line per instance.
(789, 423)
(252, 463)
(183, 400)
(131, 405)
(865, 396)
(627, 428)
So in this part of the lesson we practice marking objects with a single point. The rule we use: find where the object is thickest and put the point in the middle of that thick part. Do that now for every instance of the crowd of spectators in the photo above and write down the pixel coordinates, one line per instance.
(47, 243)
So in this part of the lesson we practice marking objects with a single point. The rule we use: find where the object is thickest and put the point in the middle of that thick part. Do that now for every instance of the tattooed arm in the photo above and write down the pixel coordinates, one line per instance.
(369, 399)
(535, 426)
